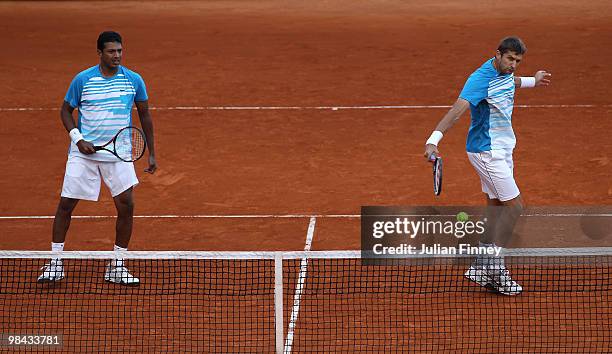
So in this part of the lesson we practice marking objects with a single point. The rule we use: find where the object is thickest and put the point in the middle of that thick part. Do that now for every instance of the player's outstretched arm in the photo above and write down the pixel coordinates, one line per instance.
(147, 126)
(449, 119)
(541, 78)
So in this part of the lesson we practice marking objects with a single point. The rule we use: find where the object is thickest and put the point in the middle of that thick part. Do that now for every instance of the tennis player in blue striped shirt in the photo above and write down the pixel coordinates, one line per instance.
(104, 95)
(489, 94)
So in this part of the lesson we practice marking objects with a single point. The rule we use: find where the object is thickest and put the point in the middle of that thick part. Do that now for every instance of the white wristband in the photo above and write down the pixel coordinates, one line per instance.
(435, 138)
(527, 81)
(75, 135)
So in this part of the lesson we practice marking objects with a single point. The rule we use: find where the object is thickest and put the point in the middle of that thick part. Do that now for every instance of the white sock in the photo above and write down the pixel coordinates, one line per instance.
(118, 262)
(57, 247)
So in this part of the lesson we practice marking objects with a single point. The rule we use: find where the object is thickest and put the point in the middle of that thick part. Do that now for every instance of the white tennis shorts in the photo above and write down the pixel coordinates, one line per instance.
(495, 169)
(82, 177)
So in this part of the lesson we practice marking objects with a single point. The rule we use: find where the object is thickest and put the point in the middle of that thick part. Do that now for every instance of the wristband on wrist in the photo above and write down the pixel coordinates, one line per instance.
(435, 138)
(75, 135)
(527, 81)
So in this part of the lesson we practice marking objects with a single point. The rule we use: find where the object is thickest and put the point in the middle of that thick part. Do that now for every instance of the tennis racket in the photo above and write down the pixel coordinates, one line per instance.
(437, 173)
(128, 144)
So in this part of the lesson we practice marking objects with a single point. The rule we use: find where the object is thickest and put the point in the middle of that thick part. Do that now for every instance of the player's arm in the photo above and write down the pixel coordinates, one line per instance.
(84, 146)
(541, 78)
(449, 119)
(147, 126)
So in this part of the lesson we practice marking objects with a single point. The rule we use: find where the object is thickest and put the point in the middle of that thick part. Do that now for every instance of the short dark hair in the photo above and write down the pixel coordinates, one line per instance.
(512, 44)
(108, 36)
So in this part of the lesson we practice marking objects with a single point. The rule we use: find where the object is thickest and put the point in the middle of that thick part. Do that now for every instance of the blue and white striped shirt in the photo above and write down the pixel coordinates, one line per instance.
(104, 104)
(491, 98)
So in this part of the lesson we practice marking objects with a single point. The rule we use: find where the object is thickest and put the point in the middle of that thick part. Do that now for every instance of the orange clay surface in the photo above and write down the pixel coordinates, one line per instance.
(302, 161)
(292, 53)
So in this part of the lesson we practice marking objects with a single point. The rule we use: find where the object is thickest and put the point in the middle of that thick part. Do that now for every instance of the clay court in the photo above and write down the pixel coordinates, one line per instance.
(271, 113)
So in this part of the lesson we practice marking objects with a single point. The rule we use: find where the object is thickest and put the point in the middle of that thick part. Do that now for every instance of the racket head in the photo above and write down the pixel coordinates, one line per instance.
(437, 174)
(129, 144)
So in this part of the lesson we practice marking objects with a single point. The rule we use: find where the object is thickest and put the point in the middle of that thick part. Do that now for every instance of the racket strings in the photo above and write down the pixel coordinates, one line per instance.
(130, 144)
(138, 144)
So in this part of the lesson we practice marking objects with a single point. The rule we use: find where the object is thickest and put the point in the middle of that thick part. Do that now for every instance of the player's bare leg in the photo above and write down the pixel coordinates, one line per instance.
(63, 216)
(491, 272)
(511, 211)
(124, 203)
(54, 270)
(116, 271)
(492, 215)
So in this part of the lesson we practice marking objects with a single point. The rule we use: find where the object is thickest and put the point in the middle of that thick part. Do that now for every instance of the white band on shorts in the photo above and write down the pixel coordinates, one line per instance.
(435, 138)
(527, 82)
(75, 135)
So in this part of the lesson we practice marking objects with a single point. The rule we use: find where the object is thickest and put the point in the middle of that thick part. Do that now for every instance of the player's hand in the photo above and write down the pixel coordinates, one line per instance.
(429, 150)
(152, 165)
(85, 147)
(542, 78)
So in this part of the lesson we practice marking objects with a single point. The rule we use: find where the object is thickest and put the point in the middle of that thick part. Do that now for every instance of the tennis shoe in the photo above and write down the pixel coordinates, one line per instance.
(479, 275)
(120, 275)
(52, 272)
(503, 282)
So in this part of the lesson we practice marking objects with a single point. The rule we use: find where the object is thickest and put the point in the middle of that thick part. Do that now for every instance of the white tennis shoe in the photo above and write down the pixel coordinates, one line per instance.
(52, 271)
(496, 278)
(503, 281)
(120, 275)
(479, 275)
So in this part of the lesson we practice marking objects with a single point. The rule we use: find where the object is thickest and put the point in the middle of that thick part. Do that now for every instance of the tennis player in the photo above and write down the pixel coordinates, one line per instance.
(489, 93)
(104, 95)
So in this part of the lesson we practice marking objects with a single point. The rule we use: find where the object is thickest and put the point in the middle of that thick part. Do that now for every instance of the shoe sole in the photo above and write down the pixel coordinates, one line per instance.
(487, 285)
(500, 290)
(48, 280)
(494, 287)
(122, 283)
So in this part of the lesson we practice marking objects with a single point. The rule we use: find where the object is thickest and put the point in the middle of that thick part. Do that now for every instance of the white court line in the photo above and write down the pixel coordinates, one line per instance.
(254, 216)
(258, 108)
(299, 287)
(272, 216)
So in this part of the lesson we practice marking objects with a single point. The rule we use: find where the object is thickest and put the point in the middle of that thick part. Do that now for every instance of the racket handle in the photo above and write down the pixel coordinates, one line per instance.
(433, 157)
(98, 148)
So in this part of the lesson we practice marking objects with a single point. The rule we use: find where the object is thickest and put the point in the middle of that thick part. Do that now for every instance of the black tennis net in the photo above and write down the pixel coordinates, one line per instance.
(315, 302)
